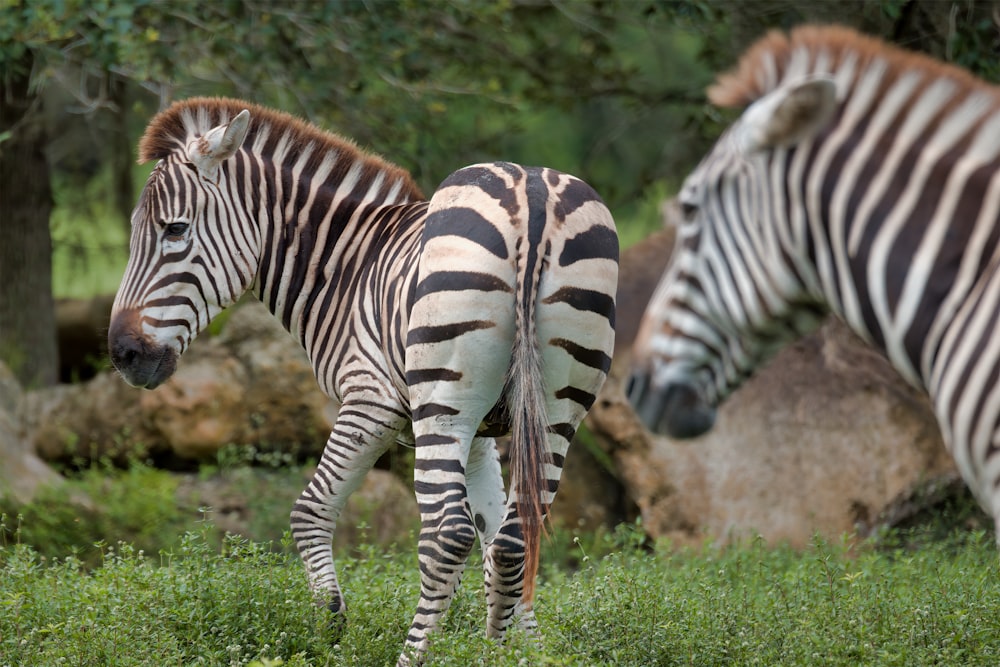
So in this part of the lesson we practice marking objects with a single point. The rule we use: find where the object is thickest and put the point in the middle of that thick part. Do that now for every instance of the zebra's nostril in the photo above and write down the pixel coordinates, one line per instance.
(630, 385)
(125, 352)
(636, 385)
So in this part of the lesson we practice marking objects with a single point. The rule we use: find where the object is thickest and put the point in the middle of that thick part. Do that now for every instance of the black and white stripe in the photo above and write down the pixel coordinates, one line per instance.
(861, 179)
(488, 309)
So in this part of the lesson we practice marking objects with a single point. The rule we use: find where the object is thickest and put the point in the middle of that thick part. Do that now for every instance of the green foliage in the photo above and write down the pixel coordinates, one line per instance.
(199, 606)
(246, 603)
(89, 243)
(608, 90)
(924, 596)
(100, 506)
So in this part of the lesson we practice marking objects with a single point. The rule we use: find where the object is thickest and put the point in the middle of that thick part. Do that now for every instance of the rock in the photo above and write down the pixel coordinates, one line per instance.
(203, 407)
(82, 326)
(22, 472)
(283, 402)
(252, 385)
(382, 512)
(823, 439)
(98, 419)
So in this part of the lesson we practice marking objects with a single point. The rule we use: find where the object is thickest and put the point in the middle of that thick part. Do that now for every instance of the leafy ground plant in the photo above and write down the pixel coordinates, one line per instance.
(247, 603)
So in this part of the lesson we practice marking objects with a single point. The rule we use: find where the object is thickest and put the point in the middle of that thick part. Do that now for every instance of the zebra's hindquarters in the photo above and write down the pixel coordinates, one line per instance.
(511, 326)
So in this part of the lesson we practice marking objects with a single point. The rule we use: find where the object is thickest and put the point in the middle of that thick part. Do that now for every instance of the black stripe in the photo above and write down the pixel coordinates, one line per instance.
(432, 375)
(586, 399)
(489, 182)
(576, 194)
(442, 465)
(584, 299)
(598, 242)
(468, 224)
(432, 410)
(593, 358)
(176, 300)
(564, 429)
(452, 281)
(538, 196)
(443, 332)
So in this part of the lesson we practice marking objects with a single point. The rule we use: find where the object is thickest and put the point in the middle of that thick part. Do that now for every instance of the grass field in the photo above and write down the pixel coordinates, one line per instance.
(623, 603)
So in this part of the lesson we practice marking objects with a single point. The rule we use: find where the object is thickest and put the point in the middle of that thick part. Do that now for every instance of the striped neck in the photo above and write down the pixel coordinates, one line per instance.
(313, 202)
(885, 204)
(297, 194)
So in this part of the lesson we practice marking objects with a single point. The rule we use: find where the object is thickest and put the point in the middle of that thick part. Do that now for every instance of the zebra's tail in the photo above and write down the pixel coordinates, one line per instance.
(529, 451)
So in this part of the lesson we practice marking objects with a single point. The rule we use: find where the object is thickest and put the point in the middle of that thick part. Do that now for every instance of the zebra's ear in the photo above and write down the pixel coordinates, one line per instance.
(219, 144)
(792, 113)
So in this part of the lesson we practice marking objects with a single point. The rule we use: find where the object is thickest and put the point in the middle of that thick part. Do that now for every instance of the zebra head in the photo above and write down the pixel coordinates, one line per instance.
(185, 263)
(734, 290)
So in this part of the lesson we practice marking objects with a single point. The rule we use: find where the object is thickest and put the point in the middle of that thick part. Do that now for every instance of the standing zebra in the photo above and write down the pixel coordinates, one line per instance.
(487, 310)
(862, 180)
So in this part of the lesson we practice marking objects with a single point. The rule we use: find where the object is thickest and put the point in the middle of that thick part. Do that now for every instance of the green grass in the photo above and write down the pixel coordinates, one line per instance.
(243, 602)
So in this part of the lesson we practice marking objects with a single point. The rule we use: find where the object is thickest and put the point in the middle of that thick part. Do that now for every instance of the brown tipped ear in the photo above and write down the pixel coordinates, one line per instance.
(219, 144)
(789, 115)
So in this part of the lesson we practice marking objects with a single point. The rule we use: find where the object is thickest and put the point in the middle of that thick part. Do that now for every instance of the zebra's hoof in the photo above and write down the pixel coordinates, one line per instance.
(338, 619)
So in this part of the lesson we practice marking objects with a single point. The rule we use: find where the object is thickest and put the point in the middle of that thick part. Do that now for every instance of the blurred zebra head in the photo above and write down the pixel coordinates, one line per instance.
(187, 260)
(737, 287)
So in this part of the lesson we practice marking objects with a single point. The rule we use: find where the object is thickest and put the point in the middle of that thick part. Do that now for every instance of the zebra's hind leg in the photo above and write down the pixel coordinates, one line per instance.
(485, 487)
(503, 570)
(447, 533)
(349, 454)
(504, 561)
(487, 498)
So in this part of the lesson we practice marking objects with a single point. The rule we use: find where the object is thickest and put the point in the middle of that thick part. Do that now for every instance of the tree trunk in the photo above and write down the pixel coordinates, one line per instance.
(121, 154)
(27, 312)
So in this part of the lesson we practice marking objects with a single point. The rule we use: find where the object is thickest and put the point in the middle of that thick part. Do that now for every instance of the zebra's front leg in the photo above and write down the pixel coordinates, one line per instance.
(447, 535)
(349, 454)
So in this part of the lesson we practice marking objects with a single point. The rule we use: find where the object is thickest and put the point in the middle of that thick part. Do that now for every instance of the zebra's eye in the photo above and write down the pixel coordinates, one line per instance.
(175, 229)
(688, 210)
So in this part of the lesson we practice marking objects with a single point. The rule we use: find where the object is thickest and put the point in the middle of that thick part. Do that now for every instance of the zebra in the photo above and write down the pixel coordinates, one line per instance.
(443, 323)
(862, 180)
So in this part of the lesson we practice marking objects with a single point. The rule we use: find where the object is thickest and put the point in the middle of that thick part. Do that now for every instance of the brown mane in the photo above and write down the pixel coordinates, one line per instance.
(750, 79)
(172, 129)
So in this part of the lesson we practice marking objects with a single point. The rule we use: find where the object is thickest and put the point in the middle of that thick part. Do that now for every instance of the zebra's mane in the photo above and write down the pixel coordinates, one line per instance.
(765, 64)
(172, 129)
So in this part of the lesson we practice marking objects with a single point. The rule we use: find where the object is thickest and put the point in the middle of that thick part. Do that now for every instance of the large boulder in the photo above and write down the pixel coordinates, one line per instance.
(250, 385)
(21, 471)
(823, 439)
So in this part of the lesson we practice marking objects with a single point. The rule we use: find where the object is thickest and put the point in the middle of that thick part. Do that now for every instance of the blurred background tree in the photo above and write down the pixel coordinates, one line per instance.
(610, 90)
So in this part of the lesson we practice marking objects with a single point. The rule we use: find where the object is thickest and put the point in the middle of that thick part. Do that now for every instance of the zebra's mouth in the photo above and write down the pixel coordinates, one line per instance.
(162, 368)
(148, 371)
(675, 409)
(140, 362)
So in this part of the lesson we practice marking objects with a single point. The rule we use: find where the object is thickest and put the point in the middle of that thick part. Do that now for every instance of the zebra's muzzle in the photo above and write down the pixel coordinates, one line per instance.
(676, 409)
(140, 361)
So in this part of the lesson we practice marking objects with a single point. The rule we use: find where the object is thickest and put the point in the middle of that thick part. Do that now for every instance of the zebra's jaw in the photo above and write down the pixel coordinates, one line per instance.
(675, 409)
(141, 361)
